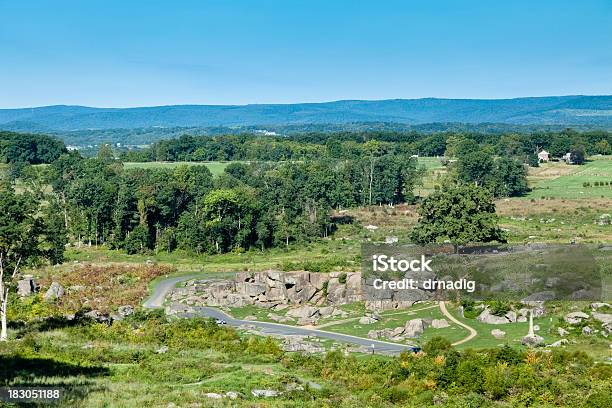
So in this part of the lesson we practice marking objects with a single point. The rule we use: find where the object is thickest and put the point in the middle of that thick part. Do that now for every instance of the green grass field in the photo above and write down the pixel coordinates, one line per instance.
(560, 180)
(215, 168)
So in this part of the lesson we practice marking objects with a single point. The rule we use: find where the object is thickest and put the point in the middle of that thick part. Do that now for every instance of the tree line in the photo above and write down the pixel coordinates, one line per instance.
(350, 145)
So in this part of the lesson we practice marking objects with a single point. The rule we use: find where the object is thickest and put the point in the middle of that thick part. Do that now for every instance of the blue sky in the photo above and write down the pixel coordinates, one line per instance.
(142, 53)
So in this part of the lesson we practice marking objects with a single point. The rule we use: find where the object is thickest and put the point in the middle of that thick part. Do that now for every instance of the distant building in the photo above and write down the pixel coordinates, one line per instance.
(543, 156)
(567, 157)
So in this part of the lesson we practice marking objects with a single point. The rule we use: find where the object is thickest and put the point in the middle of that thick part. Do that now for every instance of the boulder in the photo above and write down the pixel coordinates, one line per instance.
(162, 350)
(307, 321)
(398, 331)
(415, 327)
(305, 311)
(487, 317)
(232, 395)
(605, 318)
(586, 330)
(598, 305)
(559, 343)
(265, 393)
(532, 341)
(26, 286)
(562, 332)
(498, 334)
(326, 311)
(575, 317)
(367, 320)
(213, 395)
(125, 311)
(55, 291)
(278, 318)
(439, 323)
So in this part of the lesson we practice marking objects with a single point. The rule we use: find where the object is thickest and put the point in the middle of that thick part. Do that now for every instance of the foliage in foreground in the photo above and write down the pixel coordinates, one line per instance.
(114, 364)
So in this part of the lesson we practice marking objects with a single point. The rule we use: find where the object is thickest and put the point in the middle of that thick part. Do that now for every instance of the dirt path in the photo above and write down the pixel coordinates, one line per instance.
(473, 332)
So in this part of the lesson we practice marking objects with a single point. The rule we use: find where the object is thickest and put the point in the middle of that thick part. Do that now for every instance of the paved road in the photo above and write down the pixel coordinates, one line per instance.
(156, 300)
(472, 331)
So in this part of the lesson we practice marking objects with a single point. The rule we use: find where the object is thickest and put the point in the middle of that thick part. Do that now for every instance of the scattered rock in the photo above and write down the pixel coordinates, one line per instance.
(265, 393)
(125, 311)
(297, 343)
(605, 318)
(439, 323)
(232, 395)
(562, 332)
(55, 291)
(367, 320)
(250, 317)
(498, 334)
(586, 330)
(213, 395)
(598, 305)
(559, 343)
(162, 350)
(575, 317)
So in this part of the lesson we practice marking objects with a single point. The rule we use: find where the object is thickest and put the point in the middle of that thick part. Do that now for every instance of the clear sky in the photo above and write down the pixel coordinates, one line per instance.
(142, 53)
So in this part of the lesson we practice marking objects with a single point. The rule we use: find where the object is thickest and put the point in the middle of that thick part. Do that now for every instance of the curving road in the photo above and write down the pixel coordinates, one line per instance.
(156, 300)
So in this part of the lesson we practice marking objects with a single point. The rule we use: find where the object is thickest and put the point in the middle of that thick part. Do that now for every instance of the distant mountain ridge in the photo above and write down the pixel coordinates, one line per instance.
(553, 110)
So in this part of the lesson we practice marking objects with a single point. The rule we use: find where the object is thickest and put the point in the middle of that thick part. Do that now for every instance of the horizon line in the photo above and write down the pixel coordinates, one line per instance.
(305, 103)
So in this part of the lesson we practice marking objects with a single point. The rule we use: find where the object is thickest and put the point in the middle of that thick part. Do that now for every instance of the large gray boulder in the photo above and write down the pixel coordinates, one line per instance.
(415, 327)
(26, 286)
(532, 341)
(487, 317)
(55, 291)
(439, 323)
(575, 317)
(305, 311)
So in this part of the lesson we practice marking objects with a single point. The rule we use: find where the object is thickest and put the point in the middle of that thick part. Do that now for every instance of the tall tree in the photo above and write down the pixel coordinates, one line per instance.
(461, 214)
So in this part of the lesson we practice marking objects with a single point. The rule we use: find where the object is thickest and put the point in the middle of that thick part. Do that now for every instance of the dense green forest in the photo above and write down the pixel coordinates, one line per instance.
(28, 148)
(278, 192)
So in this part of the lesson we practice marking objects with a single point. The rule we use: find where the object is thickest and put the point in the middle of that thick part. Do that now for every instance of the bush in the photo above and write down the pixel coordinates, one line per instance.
(499, 308)
(436, 346)
(342, 278)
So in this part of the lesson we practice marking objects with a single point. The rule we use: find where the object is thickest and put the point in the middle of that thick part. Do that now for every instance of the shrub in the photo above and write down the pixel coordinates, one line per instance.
(436, 346)
(342, 278)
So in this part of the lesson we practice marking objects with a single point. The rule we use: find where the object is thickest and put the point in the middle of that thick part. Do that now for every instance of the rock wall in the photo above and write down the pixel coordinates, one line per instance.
(278, 290)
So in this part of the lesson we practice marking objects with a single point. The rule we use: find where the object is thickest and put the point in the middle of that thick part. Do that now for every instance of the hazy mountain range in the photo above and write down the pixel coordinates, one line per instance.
(593, 111)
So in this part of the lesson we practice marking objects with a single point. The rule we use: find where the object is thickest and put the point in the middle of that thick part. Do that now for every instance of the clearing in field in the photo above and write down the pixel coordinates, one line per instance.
(215, 168)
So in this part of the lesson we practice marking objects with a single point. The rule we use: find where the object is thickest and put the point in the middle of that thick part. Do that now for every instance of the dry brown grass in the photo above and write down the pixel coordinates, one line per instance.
(522, 207)
(103, 287)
